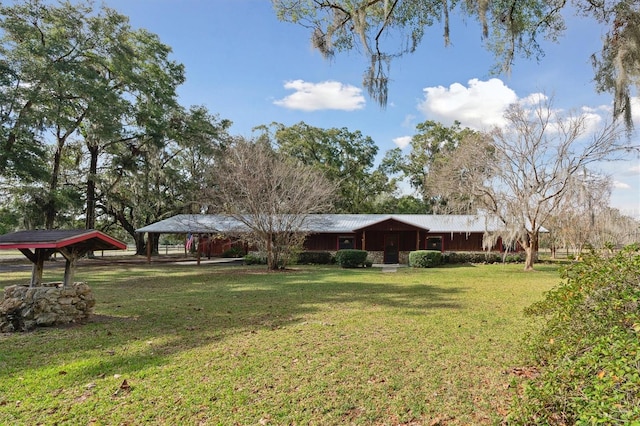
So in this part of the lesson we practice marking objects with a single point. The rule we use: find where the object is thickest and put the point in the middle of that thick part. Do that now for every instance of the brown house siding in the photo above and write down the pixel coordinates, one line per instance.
(407, 240)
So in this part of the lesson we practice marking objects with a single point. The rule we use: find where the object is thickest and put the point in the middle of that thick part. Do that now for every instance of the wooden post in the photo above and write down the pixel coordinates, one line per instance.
(364, 240)
(69, 267)
(38, 267)
(418, 239)
(37, 259)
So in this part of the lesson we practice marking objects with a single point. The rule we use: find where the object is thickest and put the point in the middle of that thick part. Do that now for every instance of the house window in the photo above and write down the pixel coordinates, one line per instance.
(346, 243)
(434, 243)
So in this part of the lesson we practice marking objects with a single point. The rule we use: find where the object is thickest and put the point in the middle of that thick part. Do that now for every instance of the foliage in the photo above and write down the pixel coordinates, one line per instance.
(431, 144)
(76, 71)
(425, 258)
(404, 204)
(351, 258)
(588, 348)
(89, 112)
(385, 30)
(314, 258)
(256, 258)
(233, 252)
(345, 157)
(481, 257)
(618, 64)
(156, 175)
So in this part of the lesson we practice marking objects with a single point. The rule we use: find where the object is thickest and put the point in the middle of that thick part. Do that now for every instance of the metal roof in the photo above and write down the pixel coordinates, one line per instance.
(89, 239)
(327, 223)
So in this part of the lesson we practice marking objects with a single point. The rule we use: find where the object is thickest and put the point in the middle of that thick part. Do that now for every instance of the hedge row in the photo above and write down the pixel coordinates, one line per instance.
(482, 257)
(418, 259)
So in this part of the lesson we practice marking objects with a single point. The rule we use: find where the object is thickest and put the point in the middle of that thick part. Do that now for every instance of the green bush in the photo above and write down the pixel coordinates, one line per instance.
(255, 259)
(233, 252)
(481, 257)
(351, 258)
(314, 258)
(588, 349)
(425, 258)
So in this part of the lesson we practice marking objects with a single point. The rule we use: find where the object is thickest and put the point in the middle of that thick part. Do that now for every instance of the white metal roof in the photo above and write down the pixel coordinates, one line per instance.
(326, 223)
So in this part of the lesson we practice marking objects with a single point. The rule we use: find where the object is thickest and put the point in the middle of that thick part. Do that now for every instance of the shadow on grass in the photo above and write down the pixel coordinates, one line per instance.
(176, 309)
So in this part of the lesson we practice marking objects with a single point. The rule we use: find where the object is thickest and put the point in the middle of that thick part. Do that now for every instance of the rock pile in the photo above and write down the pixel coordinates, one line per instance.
(24, 308)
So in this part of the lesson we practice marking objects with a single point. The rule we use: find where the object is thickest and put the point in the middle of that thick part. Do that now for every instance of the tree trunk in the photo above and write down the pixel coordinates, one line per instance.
(90, 221)
(271, 262)
(530, 249)
(141, 245)
(51, 208)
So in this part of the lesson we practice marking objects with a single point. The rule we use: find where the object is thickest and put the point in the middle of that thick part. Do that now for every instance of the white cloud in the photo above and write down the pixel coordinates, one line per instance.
(480, 106)
(402, 142)
(534, 99)
(635, 170)
(322, 96)
(620, 185)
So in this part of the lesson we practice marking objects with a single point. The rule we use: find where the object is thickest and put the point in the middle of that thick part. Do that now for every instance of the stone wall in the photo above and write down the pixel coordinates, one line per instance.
(24, 308)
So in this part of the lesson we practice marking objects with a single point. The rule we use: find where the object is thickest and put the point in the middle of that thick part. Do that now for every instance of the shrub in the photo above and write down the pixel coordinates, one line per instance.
(589, 346)
(481, 257)
(233, 252)
(425, 258)
(314, 258)
(514, 258)
(351, 258)
(255, 259)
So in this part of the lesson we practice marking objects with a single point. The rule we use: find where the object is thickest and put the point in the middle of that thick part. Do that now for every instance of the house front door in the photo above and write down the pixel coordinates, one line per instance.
(391, 253)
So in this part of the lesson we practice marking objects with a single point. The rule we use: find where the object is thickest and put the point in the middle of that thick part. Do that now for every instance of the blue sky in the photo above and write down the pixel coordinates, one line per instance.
(246, 66)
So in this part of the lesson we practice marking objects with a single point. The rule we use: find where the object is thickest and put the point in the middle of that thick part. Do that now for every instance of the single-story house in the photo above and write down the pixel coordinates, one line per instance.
(387, 237)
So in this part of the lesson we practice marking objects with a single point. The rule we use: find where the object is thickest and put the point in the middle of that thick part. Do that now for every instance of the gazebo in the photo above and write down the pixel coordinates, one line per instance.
(39, 245)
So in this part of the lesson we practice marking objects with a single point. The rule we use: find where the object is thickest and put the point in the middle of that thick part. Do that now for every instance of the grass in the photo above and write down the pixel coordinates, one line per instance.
(237, 345)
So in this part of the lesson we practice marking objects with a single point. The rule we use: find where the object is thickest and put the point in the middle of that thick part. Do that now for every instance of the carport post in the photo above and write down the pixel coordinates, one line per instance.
(148, 247)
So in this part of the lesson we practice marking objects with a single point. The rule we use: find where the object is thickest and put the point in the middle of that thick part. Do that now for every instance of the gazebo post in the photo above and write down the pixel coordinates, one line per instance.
(71, 259)
(38, 267)
(37, 259)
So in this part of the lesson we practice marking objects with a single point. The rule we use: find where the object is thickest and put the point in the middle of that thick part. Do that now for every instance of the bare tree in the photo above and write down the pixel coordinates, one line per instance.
(522, 173)
(272, 194)
(577, 219)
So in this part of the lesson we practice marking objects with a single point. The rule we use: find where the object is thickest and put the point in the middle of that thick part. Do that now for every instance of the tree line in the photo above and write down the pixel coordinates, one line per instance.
(93, 136)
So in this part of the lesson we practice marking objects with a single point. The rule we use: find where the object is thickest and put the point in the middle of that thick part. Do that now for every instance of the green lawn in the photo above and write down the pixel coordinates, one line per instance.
(237, 345)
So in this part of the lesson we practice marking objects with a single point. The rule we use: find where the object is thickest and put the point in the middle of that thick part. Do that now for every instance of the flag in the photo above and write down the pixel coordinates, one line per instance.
(189, 242)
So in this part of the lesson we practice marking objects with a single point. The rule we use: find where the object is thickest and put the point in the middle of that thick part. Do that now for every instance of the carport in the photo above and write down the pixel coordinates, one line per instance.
(39, 245)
